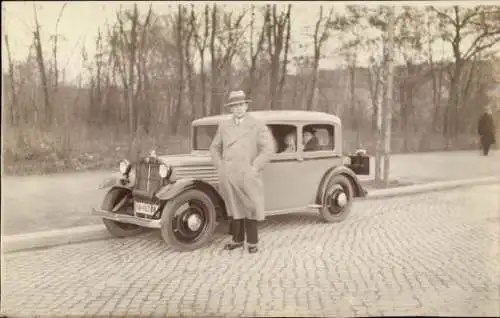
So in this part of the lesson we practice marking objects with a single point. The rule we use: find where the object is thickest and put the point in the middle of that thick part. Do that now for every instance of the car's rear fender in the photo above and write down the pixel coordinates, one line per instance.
(359, 191)
(171, 190)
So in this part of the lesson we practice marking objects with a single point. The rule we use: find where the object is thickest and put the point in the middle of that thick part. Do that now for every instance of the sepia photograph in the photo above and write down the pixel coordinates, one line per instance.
(250, 159)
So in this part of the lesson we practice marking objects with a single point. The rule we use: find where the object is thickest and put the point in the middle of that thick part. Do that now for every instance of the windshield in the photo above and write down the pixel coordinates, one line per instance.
(202, 136)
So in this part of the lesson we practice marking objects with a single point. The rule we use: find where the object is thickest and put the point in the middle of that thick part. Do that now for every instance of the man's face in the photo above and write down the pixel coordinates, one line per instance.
(239, 110)
(307, 136)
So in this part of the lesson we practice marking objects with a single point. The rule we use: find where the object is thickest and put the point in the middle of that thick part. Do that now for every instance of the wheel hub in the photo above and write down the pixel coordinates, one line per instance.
(194, 222)
(341, 199)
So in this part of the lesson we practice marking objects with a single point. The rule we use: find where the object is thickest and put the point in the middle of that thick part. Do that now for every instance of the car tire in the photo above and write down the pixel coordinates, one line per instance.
(118, 229)
(331, 211)
(176, 232)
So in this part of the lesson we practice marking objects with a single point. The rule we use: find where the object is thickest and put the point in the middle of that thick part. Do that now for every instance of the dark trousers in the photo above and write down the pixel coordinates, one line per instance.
(486, 149)
(485, 145)
(244, 226)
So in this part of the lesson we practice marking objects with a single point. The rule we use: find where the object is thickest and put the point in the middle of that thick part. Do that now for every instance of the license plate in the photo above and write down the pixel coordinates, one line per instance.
(145, 208)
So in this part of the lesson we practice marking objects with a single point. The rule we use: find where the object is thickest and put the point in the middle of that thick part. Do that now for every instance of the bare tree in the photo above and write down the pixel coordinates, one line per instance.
(180, 40)
(388, 96)
(54, 49)
(322, 31)
(125, 50)
(188, 59)
(225, 42)
(276, 37)
(12, 80)
(143, 76)
(41, 68)
(200, 39)
(409, 42)
(479, 25)
(214, 96)
(284, 64)
(129, 42)
(256, 52)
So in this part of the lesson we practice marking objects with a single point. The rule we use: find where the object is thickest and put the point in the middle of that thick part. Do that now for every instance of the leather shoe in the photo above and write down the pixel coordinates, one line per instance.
(252, 249)
(232, 246)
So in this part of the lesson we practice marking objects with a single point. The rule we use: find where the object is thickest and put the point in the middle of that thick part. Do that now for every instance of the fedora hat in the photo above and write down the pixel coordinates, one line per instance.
(237, 97)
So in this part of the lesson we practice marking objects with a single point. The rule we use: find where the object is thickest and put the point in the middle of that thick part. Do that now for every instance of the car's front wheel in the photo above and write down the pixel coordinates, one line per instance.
(188, 220)
(118, 229)
(337, 199)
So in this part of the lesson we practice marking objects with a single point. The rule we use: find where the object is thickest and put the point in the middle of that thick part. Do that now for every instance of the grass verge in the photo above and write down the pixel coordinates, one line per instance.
(32, 151)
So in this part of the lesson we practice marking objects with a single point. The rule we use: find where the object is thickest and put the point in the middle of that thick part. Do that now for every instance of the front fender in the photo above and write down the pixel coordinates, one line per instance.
(172, 189)
(359, 191)
(115, 182)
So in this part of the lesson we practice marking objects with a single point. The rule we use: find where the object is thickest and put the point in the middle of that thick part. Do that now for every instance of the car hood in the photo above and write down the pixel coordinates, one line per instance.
(192, 159)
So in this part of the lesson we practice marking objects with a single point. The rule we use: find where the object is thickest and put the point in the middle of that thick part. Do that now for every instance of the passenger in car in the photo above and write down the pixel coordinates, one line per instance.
(290, 143)
(311, 142)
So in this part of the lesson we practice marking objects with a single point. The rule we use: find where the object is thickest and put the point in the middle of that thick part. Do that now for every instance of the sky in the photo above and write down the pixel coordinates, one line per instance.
(81, 20)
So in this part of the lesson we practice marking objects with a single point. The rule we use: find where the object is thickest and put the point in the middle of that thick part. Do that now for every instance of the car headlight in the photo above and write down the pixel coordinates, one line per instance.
(163, 171)
(125, 167)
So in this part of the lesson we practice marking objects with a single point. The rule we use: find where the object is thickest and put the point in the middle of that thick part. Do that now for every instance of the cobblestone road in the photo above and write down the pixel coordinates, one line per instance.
(428, 254)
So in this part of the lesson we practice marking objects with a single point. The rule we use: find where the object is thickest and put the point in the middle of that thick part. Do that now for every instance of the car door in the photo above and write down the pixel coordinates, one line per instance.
(282, 176)
(318, 159)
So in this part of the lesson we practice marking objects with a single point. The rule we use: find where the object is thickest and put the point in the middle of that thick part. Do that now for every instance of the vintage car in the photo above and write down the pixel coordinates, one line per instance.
(179, 194)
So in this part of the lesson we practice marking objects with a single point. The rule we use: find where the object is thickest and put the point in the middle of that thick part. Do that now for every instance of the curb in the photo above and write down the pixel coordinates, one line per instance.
(428, 187)
(45, 239)
(20, 242)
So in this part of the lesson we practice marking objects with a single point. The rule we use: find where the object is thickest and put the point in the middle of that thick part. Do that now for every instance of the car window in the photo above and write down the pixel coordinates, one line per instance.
(318, 137)
(285, 137)
(203, 136)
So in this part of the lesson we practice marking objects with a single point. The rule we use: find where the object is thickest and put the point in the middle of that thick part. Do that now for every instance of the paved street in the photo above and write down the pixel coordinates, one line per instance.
(41, 203)
(427, 254)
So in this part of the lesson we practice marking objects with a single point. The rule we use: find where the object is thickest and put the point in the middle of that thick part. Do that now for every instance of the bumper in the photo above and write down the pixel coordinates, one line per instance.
(152, 224)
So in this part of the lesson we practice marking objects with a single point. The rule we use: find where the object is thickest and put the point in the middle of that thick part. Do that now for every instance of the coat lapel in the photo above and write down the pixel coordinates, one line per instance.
(236, 132)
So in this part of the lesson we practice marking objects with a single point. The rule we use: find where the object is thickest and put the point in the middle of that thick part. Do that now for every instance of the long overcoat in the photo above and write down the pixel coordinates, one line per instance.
(486, 129)
(240, 152)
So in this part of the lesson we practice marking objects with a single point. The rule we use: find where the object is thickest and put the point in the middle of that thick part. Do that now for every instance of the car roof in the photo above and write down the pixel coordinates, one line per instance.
(276, 115)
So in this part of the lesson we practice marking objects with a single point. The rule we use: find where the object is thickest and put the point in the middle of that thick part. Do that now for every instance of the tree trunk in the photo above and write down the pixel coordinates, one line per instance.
(180, 80)
(254, 55)
(14, 106)
(388, 96)
(214, 100)
(43, 72)
(285, 59)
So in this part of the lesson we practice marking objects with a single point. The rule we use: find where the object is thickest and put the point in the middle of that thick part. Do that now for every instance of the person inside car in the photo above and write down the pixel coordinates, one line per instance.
(290, 144)
(311, 142)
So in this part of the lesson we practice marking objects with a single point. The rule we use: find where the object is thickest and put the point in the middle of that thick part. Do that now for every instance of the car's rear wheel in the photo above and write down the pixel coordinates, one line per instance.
(188, 221)
(118, 229)
(337, 199)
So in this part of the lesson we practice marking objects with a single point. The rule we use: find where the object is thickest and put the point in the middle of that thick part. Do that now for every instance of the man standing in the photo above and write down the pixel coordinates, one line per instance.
(486, 130)
(240, 150)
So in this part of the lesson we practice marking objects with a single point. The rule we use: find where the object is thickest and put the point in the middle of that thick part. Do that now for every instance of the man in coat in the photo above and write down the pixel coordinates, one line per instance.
(486, 130)
(311, 142)
(240, 149)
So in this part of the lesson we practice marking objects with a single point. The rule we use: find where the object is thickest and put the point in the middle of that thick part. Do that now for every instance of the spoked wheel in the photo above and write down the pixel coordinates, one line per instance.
(188, 221)
(113, 198)
(337, 200)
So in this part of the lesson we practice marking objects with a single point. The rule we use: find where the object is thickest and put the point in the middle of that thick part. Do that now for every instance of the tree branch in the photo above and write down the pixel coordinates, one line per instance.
(476, 48)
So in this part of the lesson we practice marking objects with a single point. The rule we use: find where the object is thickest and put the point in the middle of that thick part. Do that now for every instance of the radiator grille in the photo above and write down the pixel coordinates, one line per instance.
(147, 177)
